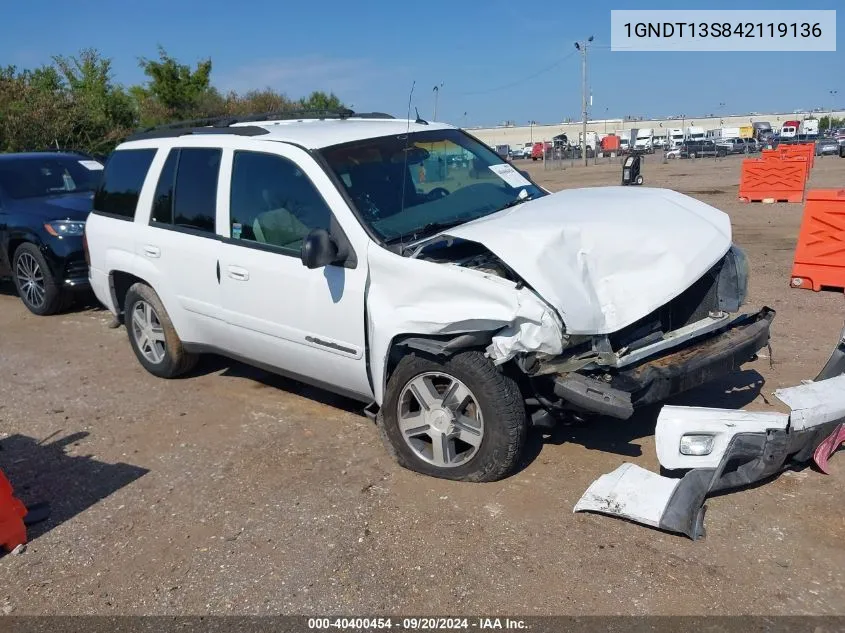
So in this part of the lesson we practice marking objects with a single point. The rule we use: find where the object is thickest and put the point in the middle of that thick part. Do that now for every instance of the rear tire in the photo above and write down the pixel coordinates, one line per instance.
(40, 292)
(496, 409)
(152, 335)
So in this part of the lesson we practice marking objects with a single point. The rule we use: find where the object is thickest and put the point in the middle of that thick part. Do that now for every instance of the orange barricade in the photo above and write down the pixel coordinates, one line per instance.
(801, 149)
(773, 179)
(12, 512)
(820, 255)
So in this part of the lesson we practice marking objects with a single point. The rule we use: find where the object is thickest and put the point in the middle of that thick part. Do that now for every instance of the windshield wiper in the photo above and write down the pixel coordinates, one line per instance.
(516, 201)
(431, 227)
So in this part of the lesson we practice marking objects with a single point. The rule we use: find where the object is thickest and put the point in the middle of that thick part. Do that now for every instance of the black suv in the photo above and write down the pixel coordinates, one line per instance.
(693, 149)
(45, 198)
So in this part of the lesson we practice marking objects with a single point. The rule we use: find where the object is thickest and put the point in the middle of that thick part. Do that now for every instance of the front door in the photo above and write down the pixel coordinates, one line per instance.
(308, 322)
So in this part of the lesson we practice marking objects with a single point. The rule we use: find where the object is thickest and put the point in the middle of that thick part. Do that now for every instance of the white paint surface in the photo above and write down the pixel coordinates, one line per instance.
(815, 403)
(630, 492)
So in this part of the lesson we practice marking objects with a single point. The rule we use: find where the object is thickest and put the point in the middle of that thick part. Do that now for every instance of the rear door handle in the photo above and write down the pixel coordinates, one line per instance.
(152, 251)
(238, 273)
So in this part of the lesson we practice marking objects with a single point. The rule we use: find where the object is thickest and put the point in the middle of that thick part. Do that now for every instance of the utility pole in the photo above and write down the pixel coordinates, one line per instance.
(436, 90)
(832, 106)
(582, 46)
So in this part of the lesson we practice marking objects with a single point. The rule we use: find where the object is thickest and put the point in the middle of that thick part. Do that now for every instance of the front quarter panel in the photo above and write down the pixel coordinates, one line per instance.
(408, 296)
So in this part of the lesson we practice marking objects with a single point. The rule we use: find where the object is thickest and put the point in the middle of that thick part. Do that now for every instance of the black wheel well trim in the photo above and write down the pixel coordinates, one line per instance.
(120, 282)
(433, 345)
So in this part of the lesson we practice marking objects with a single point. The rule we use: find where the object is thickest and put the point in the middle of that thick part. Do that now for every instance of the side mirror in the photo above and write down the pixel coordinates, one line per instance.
(318, 249)
(524, 174)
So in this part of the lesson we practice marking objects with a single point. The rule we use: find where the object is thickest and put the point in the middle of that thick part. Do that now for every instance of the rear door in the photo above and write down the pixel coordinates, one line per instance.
(178, 239)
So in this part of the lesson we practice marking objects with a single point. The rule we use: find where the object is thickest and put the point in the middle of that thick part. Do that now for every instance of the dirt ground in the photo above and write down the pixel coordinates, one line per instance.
(235, 491)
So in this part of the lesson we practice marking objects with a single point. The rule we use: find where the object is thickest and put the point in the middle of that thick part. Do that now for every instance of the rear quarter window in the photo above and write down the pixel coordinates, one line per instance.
(126, 170)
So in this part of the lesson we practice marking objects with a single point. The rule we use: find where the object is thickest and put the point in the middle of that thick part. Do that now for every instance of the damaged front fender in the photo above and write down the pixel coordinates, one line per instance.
(409, 297)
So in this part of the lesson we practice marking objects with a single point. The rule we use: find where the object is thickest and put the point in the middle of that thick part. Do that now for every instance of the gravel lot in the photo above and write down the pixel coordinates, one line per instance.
(235, 491)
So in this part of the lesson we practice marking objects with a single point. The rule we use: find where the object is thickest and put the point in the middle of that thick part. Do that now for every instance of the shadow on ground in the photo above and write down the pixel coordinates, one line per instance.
(213, 364)
(618, 436)
(82, 300)
(43, 472)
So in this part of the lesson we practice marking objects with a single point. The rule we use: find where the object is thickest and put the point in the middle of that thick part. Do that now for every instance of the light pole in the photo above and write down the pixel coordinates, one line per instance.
(436, 90)
(531, 124)
(833, 94)
(582, 46)
(465, 120)
(606, 110)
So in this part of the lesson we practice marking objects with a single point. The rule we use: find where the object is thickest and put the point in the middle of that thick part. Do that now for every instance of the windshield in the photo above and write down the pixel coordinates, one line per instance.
(407, 186)
(49, 176)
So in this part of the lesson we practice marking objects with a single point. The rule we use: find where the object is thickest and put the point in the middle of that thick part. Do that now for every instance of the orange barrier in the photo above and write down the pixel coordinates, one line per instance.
(773, 179)
(820, 255)
(800, 149)
(12, 512)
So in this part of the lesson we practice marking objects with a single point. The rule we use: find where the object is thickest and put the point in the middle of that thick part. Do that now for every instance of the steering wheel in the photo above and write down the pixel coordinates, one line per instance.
(437, 193)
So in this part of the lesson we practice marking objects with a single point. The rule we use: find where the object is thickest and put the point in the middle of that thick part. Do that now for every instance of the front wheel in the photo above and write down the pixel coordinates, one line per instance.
(39, 291)
(460, 419)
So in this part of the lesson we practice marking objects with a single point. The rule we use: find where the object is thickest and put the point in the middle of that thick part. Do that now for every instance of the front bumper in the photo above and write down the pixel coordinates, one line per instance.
(66, 259)
(813, 430)
(657, 379)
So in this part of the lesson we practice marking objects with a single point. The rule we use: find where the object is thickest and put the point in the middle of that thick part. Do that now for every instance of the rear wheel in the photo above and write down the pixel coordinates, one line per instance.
(152, 335)
(39, 291)
(461, 419)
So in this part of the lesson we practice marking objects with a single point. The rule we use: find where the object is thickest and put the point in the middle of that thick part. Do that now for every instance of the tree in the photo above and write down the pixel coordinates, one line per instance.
(174, 88)
(319, 100)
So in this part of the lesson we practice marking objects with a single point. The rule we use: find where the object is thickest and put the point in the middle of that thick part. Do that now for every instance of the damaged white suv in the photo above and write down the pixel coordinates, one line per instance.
(405, 264)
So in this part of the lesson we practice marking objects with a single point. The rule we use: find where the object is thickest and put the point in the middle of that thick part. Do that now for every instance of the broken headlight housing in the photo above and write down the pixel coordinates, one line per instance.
(733, 280)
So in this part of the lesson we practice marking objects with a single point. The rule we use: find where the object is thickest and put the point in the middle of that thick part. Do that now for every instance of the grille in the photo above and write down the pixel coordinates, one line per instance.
(692, 305)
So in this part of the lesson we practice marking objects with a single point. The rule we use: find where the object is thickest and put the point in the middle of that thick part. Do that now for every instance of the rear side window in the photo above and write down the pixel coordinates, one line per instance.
(163, 200)
(124, 177)
(186, 194)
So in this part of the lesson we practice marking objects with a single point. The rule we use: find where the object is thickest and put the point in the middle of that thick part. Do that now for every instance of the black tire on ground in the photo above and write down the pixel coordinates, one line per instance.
(692, 154)
(502, 408)
(639, 180)
(176, 361)
(55, 299)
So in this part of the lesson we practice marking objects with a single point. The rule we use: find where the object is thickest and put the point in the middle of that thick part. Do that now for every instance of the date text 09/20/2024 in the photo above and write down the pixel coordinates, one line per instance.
(417, 623)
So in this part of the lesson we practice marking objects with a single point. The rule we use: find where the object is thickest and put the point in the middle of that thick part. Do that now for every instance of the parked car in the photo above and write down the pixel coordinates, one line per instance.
(45, 198)
(828, 146)
(697, 149)
(517, 152)
(462, 310)
(673, 153)
(734, 145)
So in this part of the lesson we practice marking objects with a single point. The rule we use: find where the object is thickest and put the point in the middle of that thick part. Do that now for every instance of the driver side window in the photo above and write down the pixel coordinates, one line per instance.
(273, 202)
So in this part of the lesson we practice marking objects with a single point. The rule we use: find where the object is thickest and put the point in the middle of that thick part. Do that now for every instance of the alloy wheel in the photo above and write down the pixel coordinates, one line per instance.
(440, 419)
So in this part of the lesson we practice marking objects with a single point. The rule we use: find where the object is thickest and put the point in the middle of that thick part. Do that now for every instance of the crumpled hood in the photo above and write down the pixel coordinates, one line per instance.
(605, 257)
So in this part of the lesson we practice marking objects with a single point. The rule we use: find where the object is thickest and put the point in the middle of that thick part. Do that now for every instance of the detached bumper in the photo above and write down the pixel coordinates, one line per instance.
(746, 447)
(672, 373)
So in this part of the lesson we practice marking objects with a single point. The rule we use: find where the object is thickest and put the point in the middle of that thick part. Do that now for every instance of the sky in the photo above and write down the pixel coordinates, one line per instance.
(496, 60)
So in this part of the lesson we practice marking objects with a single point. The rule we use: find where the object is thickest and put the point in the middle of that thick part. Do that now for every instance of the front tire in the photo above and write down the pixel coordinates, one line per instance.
(460, 419)
(152, 335)
(39, 291)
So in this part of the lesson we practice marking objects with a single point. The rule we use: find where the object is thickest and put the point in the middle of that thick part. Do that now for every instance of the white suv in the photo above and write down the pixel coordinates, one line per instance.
(405, 264)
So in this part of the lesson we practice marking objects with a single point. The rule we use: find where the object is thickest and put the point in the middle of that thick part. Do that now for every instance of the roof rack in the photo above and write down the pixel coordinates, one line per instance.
(223, 124)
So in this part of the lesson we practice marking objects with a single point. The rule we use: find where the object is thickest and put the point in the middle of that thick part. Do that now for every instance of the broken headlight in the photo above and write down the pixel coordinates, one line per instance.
(733, 280)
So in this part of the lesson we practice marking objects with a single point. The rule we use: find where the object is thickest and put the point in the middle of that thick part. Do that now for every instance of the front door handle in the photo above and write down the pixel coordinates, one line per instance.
(152, 251)
(237, 273)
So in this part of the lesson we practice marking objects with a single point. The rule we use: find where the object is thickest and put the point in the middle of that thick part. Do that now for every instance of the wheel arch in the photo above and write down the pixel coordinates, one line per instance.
(434, 346)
